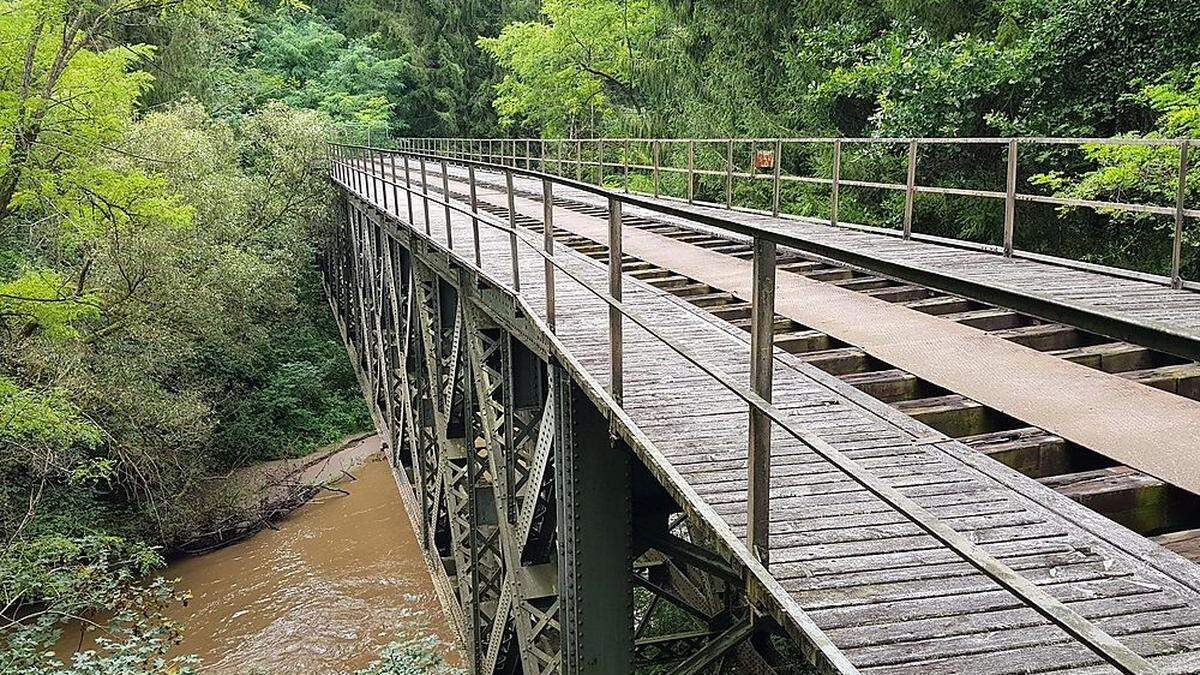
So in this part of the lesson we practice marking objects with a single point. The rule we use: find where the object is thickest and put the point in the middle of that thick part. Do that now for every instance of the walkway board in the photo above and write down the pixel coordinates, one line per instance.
(894, 599)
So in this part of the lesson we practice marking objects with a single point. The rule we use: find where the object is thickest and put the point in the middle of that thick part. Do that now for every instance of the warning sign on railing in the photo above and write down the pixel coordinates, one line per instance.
(764, 159)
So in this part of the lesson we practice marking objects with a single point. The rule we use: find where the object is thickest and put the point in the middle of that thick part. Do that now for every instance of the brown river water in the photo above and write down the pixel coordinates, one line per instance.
(342, 576)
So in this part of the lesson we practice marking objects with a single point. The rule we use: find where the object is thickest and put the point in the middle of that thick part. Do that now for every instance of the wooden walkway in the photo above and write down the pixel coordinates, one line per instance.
(893, 599)
(1148, 429)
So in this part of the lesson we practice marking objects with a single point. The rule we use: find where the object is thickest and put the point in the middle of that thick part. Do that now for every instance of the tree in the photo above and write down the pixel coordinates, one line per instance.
(587, 58)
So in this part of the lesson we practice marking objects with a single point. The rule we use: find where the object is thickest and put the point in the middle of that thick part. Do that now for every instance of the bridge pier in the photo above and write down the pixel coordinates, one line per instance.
(593, 481)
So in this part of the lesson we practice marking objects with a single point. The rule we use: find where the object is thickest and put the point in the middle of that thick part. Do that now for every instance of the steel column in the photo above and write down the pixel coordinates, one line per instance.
(615, 336)
(761, 377)
(1180, 201)
(1010, 198)
(548, 245)
(595, 537)
(910, 190)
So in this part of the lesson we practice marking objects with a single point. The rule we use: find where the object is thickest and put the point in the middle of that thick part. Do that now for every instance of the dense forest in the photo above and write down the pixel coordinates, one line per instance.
(162, 182)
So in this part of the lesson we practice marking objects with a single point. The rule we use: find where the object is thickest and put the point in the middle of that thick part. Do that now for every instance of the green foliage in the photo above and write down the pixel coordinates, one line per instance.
(94, 581)
(306, 62)
(1145, 174)
(587, 58)
(41, 299)
(411, 657)
(158, 291)
(42, 419)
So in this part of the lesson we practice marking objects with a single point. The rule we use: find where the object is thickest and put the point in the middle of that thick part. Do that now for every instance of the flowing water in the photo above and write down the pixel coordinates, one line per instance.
(342, 576)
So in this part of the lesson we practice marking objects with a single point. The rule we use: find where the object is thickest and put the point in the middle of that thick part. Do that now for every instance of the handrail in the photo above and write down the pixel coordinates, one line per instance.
(1101, 643)
(1155, 335)
(485, 148)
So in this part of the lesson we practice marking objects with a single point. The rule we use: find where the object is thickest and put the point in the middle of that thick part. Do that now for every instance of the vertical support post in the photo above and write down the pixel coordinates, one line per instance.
(594, 500)
(1180, 202)
(528, 154)
(579, 159)
(729, 173)
(373, 188)
(762, 342)
(384, 179)
(615, 336)
(1010, 198)
(834, 195)
(691, 174)
(408, 192)
(512, 231)
(446, 206)
(655, 152)
(600, 161)
(548, 246)
(474, 213)
(395, 184)
(778, 161)
(910, 191)
(425, 194)
(625, 163)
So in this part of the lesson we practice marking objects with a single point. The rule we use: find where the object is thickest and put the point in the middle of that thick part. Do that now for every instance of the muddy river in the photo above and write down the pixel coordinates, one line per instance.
(341, 577)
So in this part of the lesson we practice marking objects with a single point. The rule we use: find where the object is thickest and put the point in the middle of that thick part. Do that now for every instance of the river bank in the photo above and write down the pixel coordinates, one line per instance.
(323, 590)
(257, 496)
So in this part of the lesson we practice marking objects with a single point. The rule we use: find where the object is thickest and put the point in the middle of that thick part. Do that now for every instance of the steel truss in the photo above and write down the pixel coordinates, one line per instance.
(553, 549)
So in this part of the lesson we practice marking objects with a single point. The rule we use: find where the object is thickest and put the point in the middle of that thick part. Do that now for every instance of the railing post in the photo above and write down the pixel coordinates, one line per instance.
(1010, 198)
(778, 160)
(691, 174)
(528, 154)
(408, 192)
(615, 336)
(548, 246)
(474, 213)
(625, 163)
(579, 159)
(837, 182)
(1180, 202)
(395, 184)
(729, 174)
(373, 189)
(600, 161)
(910, 191)
(383, 187)
(425, 194)
(512, 231)
(446, 205)
(761, 376)
(655, 146)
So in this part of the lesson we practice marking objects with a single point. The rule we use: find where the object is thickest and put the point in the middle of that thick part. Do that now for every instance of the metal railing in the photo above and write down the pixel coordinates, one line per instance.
(365, 171)
(590, 158)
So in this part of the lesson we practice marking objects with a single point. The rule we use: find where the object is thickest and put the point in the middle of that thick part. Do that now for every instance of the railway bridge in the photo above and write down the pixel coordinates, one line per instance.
(640, 428)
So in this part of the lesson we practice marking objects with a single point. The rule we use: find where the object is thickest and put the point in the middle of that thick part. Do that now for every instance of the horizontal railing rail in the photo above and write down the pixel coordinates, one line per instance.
(365, 170)
(563, 155)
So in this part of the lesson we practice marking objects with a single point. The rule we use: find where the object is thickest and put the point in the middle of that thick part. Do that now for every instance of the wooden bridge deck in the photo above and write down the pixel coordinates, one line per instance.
(1151, 430)
(892, 598)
